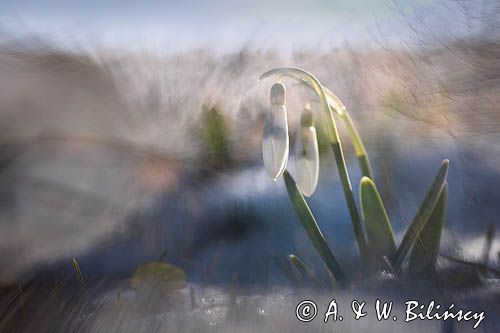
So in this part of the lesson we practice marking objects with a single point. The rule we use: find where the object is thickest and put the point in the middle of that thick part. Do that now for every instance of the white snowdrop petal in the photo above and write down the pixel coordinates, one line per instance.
(307, 160)
(275, 142)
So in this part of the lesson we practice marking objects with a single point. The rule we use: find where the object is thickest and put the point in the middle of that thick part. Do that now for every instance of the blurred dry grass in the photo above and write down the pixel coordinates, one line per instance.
(90, 139)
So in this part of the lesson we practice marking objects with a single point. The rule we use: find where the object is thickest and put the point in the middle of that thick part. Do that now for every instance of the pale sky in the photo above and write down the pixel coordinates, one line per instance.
(219, 24)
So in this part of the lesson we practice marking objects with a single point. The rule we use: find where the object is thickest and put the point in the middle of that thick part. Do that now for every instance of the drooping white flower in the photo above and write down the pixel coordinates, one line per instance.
(307, 154)
(275, 144)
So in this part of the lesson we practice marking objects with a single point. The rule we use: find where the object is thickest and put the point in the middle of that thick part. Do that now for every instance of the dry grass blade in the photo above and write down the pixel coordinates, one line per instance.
(79, 275)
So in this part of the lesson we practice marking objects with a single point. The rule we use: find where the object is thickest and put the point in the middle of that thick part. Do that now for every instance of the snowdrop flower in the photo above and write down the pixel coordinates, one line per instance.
(275, 143)
(307, 154)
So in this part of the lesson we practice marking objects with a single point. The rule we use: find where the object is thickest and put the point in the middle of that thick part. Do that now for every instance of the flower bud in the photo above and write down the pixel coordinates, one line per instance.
(307, 154)
(276, 142)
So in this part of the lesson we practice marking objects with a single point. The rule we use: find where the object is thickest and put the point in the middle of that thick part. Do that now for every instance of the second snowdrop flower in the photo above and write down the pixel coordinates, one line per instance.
(307, 154)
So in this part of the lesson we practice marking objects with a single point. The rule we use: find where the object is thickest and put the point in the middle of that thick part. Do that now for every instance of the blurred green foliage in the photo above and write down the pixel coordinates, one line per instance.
(216, 138)
(158, 274)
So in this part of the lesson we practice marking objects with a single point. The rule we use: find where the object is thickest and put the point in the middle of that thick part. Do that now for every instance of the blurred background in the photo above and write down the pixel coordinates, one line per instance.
(131, 131)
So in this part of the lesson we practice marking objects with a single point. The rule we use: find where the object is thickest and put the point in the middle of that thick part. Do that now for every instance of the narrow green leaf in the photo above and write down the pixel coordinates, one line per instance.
(422, 216)
(381, 240)
(309, 223)
(299, 265)
(291, 274)
(305, 272)
(424, 253)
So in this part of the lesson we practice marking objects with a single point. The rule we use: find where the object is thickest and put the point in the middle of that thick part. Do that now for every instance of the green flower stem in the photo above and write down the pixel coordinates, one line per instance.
(333, 135)
(358, 145)
(311, 226)
(352, 132)
(351, 203)
(344, 116)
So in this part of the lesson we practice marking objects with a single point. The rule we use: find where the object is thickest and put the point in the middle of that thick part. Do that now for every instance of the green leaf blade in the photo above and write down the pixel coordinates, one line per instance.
(311, 226)
(381, 241)
(425, 251)
(422, 216)
(306, 273)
